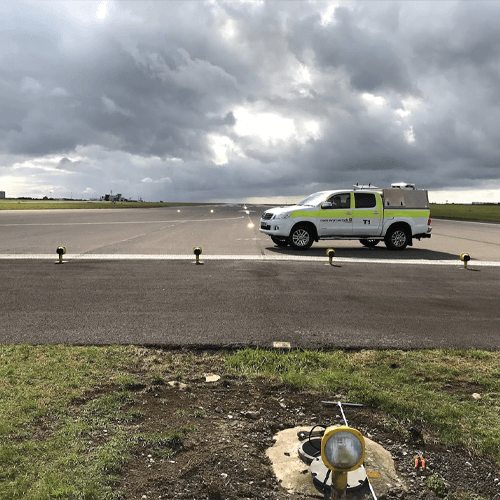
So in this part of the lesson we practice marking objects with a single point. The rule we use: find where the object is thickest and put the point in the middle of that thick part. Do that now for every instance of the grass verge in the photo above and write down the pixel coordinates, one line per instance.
(431, 389)
(65, 430)
(67, 417)
(490, 213)
(14, 204)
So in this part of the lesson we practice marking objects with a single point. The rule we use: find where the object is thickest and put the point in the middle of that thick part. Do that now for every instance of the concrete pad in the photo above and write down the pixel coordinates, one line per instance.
(380, 469)
(287, 465)
(296, 477)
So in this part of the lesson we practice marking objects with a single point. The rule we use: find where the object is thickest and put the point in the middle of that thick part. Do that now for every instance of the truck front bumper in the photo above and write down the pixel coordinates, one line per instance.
(277, 227)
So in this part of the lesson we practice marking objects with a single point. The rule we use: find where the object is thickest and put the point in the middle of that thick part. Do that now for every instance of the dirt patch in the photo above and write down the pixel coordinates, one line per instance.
(230, 424)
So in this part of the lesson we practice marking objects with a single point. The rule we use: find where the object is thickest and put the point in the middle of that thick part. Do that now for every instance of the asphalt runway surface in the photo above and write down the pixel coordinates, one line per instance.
(129, 277)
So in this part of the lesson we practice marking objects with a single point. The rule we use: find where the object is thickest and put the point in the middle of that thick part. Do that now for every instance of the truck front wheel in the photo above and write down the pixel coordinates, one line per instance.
(301, 237)
(397, 238)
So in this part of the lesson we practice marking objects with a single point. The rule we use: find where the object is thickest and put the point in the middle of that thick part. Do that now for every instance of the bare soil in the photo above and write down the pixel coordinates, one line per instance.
(235, 421)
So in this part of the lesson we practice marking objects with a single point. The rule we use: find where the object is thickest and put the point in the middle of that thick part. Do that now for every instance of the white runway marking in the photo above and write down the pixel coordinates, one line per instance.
(263, 258)
(471, 222)
(121, 222)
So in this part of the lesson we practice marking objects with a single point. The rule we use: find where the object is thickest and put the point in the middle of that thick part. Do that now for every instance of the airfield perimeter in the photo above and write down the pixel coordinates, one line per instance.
(129, 278)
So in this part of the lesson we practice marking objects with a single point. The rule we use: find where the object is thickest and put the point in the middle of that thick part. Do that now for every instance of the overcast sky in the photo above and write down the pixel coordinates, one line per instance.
(202, 100)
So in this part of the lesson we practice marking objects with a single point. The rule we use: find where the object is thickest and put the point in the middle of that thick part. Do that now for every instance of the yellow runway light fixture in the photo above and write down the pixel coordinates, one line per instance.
(61, 251)
(342, 451)
(197, 251)
(465, 257)
(330, 254)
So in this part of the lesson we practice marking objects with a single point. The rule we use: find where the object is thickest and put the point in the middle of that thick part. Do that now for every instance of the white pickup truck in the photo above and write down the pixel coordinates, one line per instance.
(368, 214)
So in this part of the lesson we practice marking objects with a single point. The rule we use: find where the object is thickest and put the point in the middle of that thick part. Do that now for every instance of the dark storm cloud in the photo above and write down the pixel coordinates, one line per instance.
(217, 100)
(371, 60)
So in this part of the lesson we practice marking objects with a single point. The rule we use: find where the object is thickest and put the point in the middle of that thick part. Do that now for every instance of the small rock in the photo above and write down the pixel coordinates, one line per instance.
(476, 396)
(179, 385)
(212, 378)
(253, 414)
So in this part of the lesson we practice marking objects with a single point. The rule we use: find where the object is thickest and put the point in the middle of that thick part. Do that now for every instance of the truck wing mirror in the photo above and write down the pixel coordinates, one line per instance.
(327, 204)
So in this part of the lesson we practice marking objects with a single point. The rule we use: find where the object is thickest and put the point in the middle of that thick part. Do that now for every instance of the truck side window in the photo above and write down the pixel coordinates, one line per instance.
(365, 200)
(342, 200)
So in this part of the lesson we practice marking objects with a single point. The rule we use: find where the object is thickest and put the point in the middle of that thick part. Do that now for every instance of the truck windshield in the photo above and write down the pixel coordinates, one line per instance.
(314, 199)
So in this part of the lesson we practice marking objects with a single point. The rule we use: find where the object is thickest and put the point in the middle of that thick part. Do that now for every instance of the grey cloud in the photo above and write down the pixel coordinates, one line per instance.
(394, 91)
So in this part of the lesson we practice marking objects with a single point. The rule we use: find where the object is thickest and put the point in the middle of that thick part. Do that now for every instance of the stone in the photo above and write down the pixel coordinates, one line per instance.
(180, 385)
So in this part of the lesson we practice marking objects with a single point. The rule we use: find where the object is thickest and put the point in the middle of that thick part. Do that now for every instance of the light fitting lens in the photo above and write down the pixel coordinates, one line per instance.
(343, 450)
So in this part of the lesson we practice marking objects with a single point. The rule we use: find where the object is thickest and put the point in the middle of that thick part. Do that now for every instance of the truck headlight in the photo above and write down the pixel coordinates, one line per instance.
(285, 215)
(342, 448)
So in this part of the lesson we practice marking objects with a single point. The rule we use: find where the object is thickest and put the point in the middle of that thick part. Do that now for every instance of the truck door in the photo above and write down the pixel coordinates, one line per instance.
(367, 214)
(336, 216)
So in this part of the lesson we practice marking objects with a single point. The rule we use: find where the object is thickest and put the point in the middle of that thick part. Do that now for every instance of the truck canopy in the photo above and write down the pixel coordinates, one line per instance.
(407, 198)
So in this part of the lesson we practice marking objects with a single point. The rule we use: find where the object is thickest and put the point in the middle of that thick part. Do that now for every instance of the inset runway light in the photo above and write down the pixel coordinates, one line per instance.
(198, 251)
(178, 211)
(60, 251)
(211, 211)
(250, 225)
(465, 257)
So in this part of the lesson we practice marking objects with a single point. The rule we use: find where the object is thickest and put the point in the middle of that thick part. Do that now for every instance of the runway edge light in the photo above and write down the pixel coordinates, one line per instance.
(60, 251)
(330, 254)
(342, 451)
(197, 251)
(465, 257)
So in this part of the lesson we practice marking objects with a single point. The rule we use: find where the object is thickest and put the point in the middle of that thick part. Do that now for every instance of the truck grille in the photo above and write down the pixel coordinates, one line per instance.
(266, 216)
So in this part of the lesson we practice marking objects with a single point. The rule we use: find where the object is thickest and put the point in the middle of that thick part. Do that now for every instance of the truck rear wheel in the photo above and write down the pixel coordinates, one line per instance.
(301, 237)
(397, 238)
(369, 243)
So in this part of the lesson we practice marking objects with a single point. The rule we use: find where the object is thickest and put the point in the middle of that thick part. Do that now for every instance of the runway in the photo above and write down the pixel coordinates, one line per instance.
(129, 278)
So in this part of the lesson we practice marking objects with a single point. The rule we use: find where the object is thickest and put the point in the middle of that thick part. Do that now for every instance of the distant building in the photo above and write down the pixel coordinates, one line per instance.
(113, 197)
(2, 195)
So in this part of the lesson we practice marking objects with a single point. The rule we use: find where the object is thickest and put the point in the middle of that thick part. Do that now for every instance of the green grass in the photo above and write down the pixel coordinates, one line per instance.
(431, 389)
(13, 204)
(467, 212)
(65, 431)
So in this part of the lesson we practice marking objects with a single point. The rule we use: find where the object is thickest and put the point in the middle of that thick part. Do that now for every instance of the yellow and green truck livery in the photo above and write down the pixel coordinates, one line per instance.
(397, 216)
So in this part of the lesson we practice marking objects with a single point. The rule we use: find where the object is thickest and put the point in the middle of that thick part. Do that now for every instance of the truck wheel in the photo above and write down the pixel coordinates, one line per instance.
(397, 238)
(369, 243)
(301, 237)
(280, 242)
